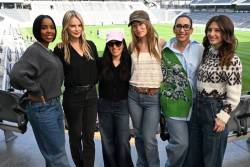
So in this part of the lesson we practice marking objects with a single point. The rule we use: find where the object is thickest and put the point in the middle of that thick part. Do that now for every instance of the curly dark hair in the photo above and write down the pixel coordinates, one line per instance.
(229, 43)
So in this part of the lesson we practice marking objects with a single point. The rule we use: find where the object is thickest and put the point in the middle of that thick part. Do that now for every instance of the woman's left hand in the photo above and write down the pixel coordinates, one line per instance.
(162, 43)
(219, 125)
(60, 45)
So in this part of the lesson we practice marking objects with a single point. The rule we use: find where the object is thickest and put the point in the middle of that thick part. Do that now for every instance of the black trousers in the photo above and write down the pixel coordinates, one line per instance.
(80, 107)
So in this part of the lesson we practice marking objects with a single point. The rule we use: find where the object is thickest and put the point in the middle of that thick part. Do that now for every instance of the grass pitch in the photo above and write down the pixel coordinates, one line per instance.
(165, 31)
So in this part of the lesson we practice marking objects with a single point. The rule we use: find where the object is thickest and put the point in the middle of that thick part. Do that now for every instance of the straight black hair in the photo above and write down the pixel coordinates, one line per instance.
(125, 64)
(185, 16)
(37, 27)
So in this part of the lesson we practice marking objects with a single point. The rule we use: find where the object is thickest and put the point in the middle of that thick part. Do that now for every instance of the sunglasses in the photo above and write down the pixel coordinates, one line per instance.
(186, 27)
(116, 43)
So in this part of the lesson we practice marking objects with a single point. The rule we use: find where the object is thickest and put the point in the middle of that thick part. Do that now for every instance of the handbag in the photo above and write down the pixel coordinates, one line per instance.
(164, 134)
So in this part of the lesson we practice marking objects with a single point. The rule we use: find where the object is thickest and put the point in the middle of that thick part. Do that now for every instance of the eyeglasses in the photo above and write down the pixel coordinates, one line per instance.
(116, 43)
(186, 27)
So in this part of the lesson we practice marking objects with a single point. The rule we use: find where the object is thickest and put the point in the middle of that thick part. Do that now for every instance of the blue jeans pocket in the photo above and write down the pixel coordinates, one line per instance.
(208, 110)
(38, 107)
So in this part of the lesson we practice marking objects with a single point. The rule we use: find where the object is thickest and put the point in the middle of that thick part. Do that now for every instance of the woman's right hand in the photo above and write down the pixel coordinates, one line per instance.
(37, 98)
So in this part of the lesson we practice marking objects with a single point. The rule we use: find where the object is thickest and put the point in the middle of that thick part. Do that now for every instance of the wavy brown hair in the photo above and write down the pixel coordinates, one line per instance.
(152, 40)
(229, 41)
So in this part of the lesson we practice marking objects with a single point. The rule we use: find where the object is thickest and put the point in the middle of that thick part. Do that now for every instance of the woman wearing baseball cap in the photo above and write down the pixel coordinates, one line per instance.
(114, 69)
(143, 96)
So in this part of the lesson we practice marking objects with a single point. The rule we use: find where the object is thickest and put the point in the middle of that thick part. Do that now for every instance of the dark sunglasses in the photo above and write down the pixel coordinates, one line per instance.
(116, 43)
(186, 27)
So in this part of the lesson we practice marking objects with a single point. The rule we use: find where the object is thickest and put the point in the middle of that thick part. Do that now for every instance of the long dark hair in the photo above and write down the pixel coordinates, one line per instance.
(229, 43)
(107, 64)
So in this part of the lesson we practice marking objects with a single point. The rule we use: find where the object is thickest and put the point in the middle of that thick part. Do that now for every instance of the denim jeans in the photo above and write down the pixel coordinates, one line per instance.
(47, 124)
(114, 128)
(145, 114)
(80, 107)
(207, 147)
(177, 147)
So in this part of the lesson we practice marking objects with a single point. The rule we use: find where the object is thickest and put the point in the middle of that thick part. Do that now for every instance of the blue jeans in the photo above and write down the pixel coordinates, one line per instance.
(207, 147)
(47, 124)
(114, 128)
(177, 147)
(145, 114)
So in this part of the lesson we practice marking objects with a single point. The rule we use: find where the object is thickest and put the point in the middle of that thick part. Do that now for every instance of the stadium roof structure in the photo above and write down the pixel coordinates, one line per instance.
(212, 2)
(11, 1)
(226, 5)
(243, 2)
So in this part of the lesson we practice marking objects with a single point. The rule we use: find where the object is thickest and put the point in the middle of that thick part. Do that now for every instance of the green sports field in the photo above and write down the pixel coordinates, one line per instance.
(165, 32)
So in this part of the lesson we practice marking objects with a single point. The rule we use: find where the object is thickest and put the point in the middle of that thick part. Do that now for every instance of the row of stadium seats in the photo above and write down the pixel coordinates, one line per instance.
(115, 12)
(11, 48)
(93, 12)
(241, 20)
(197, 2)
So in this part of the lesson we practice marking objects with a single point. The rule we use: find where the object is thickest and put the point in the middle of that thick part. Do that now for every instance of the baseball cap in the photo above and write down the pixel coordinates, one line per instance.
(138, 15)
(114, 34)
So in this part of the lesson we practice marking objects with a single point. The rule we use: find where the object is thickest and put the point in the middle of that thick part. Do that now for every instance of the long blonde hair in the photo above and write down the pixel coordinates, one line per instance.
(66, 37)
(152, 41)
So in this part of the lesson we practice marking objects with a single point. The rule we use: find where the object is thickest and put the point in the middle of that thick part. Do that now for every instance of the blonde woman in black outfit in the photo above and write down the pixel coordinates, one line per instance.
(113, 112)
(80, 98)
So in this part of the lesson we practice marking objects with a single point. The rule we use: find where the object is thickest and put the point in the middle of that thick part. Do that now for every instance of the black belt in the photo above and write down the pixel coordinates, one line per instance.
(80, 87)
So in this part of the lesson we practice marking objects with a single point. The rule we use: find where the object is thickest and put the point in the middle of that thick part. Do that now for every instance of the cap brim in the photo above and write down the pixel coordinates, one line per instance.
(112, 39)
(134, 20)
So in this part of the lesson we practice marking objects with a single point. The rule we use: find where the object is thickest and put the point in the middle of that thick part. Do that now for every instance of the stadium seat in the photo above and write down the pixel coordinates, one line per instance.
(12, 115)
(240, 118)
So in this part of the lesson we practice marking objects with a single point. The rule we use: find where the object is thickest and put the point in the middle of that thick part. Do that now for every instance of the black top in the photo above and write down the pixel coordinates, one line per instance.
(114, 85)
(80, 71)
